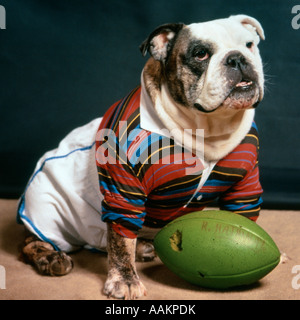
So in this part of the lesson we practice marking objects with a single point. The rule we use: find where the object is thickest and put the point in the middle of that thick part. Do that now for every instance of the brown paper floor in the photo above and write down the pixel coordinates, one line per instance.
(88, 276)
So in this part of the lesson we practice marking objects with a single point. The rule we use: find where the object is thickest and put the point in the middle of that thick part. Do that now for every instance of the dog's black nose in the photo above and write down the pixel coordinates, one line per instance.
(236, 61)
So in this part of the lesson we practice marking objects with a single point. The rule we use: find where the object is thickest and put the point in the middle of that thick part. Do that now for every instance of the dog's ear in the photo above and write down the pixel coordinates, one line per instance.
(247, 20)
(161, 40)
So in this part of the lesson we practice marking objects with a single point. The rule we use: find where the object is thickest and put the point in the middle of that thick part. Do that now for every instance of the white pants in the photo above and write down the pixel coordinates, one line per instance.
(62, 201)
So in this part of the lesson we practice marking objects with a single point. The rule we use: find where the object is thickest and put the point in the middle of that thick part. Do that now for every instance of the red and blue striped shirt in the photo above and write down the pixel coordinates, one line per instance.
(146, 180)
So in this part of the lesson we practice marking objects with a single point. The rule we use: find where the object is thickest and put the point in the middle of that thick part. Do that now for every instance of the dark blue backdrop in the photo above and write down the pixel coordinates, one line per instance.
(65, 62)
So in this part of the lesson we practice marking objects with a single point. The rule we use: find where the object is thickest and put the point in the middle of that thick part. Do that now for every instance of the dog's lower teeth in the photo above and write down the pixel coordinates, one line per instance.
(244, 84)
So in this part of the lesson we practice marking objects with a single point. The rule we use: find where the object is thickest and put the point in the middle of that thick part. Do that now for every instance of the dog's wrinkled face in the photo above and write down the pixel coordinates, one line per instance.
(211, 65)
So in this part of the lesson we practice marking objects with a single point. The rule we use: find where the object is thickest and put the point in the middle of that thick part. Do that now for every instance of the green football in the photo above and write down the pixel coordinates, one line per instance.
(216, 249)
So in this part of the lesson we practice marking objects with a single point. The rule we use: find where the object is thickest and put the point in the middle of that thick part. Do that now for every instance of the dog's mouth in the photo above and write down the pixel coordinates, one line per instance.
(242, 95)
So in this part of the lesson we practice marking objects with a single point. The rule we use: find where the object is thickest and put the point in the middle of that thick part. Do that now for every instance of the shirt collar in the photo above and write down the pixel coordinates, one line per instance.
(149, 119)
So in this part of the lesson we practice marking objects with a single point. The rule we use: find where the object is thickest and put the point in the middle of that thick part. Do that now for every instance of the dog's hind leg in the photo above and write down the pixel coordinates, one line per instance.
(45, 258)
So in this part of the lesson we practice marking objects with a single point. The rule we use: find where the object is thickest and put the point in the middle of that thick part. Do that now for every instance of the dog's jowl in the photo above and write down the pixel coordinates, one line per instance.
(198, 92)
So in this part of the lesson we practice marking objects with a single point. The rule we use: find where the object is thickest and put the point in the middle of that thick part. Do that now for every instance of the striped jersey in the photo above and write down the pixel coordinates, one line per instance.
(148, 179)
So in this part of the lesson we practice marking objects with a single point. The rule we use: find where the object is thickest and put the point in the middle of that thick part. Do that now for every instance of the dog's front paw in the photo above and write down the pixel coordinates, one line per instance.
(128, 289)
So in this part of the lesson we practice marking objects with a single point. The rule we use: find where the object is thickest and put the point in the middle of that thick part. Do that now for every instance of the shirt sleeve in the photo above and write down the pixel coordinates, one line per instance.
(124, 196)
(245, 196)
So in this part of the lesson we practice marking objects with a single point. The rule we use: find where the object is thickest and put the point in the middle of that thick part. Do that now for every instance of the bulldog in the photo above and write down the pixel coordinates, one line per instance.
(202, 84)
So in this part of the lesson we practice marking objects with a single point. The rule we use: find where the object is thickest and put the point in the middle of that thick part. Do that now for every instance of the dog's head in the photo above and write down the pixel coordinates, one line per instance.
(210, 65)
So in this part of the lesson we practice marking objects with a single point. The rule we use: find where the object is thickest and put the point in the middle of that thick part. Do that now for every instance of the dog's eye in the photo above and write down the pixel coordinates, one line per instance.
(250, 45)
(202, 55)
